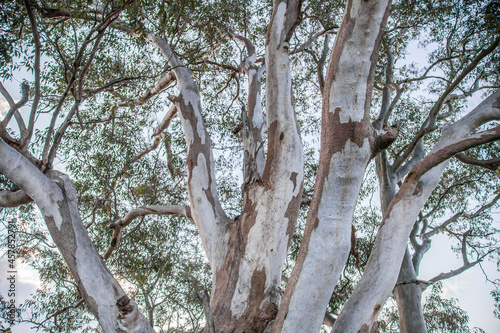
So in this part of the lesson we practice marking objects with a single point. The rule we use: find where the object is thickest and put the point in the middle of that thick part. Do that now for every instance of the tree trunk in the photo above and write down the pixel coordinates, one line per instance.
(381, 272)
(408, 297)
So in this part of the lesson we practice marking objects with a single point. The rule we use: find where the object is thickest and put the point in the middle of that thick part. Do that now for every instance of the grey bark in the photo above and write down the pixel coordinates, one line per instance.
(56, 198)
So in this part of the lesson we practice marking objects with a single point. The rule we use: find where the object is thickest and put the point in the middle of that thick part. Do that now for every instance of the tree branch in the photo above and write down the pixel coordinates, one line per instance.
(26, 137)
(206, 208)
(118, 225)
(455, 272)
(254, 122)
(14, 109)
(9, 199)
(322, 62)
(455, 217)
(56, 197)
(490, 164)
(311, 39)
(160, 86)
(447, 152)
(48, 151)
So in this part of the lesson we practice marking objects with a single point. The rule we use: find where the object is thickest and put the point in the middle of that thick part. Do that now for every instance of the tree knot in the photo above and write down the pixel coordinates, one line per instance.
(384, 138)
(124, 306)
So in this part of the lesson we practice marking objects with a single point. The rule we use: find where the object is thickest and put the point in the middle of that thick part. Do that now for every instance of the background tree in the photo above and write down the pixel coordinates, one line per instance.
(115, 83)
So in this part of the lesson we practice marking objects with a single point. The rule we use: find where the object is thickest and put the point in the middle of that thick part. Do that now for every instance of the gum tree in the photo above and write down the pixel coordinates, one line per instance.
(91, 62)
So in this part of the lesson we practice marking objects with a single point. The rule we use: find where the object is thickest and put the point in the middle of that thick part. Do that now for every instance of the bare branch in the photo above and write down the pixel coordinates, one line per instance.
(311, 39)
(48, 151)
(455, 217)
(429, 125)
(443, 225)
(118, 225)
(490, 164)
(455, 272)
(57, 313)
(9, 199)
(426, 72)
(90, 93)
(14, 109)
(26, 137)
(448, 190)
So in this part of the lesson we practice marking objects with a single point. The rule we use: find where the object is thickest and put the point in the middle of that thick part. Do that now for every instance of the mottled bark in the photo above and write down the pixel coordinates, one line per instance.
(206, 210)
(347, 144)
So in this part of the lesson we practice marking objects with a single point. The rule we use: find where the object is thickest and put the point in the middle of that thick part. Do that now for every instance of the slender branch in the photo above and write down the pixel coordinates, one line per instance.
(118, 225)
(26, 137)
(424, 75)
(160, 86)
(14, 108)
(446, 192)
(455, 217)
(311, 39)
(57, 313)
(322, 62)
(490, 164)
(100, 29)
(429, 125)
(457, 271)
(108, 85)
(443, 225)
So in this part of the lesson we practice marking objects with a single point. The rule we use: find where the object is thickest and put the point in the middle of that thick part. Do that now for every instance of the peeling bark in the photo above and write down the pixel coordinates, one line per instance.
(347, 144)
